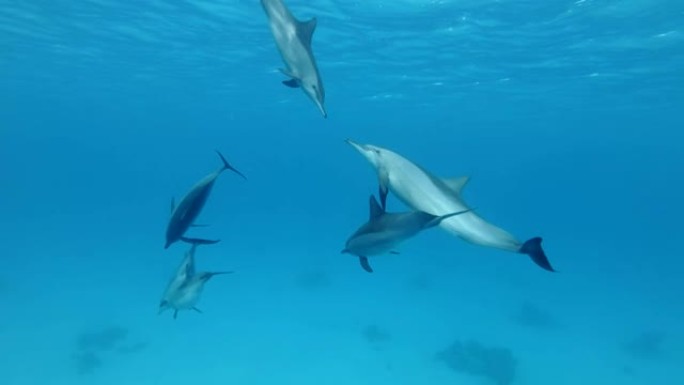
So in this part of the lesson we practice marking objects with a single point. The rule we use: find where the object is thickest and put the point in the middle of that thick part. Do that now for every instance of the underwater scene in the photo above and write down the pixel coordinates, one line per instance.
(335, 192)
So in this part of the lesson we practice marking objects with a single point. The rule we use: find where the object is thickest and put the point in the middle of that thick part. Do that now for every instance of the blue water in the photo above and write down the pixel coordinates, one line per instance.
(567, 115)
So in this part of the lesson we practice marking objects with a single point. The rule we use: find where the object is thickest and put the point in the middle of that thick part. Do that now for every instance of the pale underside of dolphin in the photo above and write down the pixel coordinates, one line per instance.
(422, 191)
(185, 287)
(184, 214)
(293, 39)
(187, 296)
(384, 231)
(185, 270)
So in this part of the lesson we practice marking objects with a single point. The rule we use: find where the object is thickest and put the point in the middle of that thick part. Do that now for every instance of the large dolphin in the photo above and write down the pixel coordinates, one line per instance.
(184, 214)
(293, 38)
(422, 191)
(384, 231)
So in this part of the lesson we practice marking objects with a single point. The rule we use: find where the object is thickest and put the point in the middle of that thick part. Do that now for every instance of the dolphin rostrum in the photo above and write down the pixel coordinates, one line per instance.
(293, 39)
(422, 191)
(383, 231)
(184, 214)
(185, 287)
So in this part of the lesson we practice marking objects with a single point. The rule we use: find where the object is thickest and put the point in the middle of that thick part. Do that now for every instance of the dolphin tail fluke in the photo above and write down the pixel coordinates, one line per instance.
(198, 241)
(365, 264)
(227, 166)
(533, 248)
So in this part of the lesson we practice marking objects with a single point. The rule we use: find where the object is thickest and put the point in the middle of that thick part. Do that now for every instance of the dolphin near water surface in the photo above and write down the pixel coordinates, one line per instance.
(293, 39)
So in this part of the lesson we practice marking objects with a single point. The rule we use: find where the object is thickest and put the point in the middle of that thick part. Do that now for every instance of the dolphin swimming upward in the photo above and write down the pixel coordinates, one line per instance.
(422, 191)
(185, 287)
(184, 214)
(293, 38)
(383, 231)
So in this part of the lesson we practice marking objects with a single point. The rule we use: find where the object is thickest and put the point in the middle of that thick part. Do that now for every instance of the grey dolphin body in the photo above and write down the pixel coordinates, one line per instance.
(293, 39)
(422, 191)
(185, 270)
(384, 231)
(185, 287)
(188, 294)
(184, 214)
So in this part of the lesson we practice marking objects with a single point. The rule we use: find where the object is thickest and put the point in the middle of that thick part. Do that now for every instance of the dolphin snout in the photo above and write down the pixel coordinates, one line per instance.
(321, 107)
(359, 147)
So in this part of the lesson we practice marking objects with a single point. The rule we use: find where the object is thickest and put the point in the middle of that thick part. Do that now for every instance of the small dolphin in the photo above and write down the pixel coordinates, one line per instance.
(383, 231)
(293, 38)
(184, 214)
(184, 272)
(187, 295)
(422, 191)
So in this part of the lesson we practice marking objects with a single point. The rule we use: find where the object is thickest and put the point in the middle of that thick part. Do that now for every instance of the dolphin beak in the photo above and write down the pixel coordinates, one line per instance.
(321, 107)
(359, 147)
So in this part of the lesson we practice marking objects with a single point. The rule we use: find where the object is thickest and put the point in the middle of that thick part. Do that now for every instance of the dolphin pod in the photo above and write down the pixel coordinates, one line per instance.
(434, 201)
(420, 190)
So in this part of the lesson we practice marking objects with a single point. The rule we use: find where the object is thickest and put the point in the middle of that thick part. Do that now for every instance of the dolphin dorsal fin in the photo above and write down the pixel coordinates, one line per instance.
(375, 208)
(456, 184)
(306, 30)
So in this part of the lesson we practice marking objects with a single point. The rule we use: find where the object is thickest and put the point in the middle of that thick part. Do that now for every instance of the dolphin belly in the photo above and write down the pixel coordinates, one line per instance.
(373, 244)
(420, 192)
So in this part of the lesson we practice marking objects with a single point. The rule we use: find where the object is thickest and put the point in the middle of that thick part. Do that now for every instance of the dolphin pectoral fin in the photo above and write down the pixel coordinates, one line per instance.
(365, 265)
(197, 310)
(198, 241)
(383, 187)
(533, 248)
(382, 190)
(394, 252)
(306, 29)
(292, 83)
(375, 208)
(175, 314)
(227, 166)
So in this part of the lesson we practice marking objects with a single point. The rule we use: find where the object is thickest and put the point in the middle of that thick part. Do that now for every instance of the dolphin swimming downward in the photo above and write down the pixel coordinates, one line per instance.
(185, 287)
(383, 231)
(422, 191)
(184, 214)
(293, 39)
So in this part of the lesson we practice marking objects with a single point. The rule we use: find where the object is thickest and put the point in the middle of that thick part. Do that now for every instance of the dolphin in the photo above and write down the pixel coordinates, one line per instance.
(188, 294)
(293, 39)
(184, 272)
(422, 191)
(184, 214)
(384, 231)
